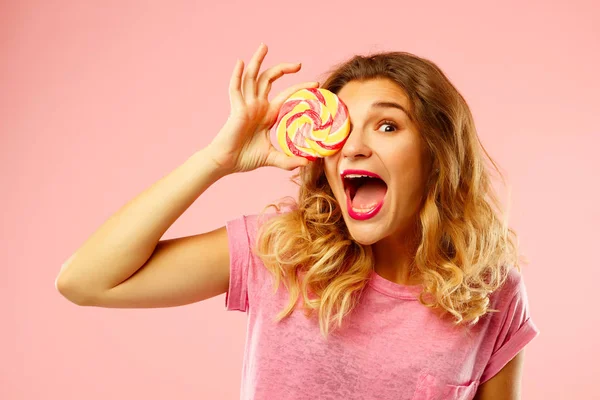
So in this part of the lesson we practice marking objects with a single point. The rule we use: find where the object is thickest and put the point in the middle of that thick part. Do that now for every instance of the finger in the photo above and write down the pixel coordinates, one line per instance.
(249, 83)
(235, 90)
(283, 96)
(278, 101)
(283, 161)
(267, 78)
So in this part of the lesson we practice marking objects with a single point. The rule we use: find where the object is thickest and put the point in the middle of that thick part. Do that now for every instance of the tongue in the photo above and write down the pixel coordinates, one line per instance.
(369, 194)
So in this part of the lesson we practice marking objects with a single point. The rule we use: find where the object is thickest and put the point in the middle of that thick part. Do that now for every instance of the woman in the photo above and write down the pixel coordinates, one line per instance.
(408, 280)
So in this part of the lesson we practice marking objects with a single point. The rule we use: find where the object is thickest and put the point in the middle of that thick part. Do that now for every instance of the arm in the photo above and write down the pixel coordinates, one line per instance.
(506, 384)
(124, 263)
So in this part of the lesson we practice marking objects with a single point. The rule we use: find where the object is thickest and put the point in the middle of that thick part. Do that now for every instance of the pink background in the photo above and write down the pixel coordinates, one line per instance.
(99, 100)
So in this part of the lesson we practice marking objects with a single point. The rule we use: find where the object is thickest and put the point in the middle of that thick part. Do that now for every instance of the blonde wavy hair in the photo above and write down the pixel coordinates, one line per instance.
(464, 248)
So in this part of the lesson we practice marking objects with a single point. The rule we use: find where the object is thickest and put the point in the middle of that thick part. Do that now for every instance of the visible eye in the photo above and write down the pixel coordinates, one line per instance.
(389, 124)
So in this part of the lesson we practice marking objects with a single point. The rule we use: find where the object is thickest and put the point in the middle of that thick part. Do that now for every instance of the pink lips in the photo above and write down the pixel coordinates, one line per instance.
(359, 172)
(354, 214)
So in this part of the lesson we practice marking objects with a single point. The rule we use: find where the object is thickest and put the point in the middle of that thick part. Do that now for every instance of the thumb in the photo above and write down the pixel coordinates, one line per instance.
(281, 160)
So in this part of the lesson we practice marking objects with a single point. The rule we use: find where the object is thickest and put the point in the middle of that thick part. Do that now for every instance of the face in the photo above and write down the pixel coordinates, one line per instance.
(379, 176)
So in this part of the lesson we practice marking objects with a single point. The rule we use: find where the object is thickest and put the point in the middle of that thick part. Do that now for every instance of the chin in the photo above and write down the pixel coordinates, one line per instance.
(365, 234)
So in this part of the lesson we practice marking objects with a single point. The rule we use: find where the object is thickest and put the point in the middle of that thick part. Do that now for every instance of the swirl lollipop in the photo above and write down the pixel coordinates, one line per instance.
(312, 123)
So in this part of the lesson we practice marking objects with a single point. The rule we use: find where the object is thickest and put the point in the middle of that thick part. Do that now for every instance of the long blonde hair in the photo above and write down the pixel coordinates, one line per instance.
(465, 250)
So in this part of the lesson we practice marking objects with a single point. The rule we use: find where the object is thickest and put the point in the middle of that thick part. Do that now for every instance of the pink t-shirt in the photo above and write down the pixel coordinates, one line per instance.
(390, 346)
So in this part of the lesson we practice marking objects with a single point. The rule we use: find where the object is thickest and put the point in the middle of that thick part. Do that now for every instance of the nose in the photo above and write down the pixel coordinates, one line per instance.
(356, 145)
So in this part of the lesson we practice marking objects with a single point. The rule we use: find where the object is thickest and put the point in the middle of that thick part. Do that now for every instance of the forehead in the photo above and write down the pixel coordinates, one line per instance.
(361, 94)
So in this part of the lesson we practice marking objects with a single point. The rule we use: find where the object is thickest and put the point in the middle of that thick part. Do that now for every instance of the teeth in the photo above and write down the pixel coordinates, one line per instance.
(365, 209)
(352, 176)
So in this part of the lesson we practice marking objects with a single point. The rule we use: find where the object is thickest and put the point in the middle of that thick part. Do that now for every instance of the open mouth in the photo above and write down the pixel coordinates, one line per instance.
(365, 192)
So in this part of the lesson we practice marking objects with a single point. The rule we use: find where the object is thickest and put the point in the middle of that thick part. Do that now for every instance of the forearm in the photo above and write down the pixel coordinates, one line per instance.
(128, 238)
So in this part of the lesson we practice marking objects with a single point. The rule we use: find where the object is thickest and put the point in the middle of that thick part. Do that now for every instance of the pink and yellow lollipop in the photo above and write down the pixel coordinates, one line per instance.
(312, 123)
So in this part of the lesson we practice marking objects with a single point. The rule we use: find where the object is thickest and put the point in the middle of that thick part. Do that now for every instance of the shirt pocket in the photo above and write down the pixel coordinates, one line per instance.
(430, 388)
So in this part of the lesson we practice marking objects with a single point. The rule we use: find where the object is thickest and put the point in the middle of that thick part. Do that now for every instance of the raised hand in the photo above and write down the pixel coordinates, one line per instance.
(243, 143)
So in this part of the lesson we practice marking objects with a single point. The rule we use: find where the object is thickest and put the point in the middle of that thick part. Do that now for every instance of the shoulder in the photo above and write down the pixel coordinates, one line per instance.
(247, 226)
(509, 305)
(513, 287)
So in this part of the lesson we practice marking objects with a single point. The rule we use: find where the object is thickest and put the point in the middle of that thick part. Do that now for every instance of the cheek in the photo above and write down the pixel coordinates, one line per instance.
(408, 171)
(330, 166)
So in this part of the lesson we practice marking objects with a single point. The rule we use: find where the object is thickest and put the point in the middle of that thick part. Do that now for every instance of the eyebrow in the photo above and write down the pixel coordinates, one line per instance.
(389, 104)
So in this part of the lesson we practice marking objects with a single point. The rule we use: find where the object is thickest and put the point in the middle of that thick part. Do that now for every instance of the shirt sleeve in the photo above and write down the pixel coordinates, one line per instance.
(516, 330)
(236, 298)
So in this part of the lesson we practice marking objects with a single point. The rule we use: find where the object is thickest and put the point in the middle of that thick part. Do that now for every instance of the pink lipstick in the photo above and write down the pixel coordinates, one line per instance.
(365, 192)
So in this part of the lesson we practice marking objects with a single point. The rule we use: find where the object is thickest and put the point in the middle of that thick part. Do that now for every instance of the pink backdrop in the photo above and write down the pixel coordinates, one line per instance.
(98, 101)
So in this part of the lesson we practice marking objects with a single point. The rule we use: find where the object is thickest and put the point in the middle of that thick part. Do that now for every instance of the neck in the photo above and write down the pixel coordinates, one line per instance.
(394, 258)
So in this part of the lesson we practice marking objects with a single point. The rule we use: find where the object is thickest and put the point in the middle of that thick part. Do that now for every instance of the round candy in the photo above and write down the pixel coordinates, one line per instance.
(312, 123)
